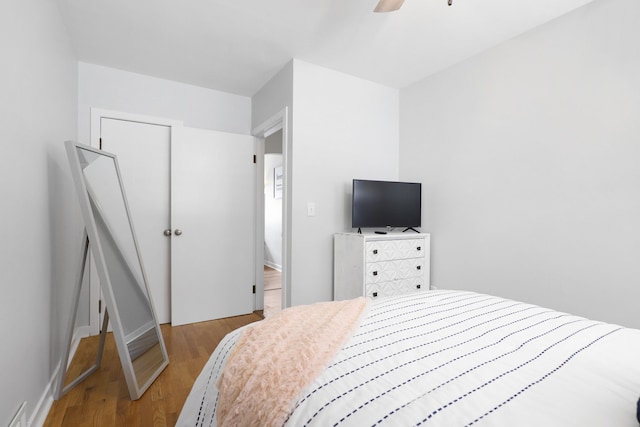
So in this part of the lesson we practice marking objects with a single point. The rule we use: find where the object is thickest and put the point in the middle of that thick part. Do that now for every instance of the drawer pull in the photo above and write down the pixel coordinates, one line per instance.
(375, 273)
(419, 248)
(375, 251)
(418, 286)
(375, 294)
(419, 267)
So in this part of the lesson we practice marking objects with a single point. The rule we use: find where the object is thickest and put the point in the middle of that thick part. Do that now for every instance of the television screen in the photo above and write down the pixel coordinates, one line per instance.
(386, 204)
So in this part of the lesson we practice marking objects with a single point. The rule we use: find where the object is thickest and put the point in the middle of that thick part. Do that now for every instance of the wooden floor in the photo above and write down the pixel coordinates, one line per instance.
(272, 291)
(103, 398)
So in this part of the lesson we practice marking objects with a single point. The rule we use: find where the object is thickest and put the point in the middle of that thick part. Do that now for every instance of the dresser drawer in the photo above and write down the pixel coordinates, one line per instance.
(385, 271)
(385, 250)
(380, 264)
(395, 287)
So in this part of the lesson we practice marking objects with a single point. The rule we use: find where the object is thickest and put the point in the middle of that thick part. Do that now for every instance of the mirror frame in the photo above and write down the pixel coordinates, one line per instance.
(135, 388)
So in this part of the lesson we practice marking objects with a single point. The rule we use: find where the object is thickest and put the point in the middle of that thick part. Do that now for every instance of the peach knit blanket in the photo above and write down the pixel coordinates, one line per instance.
(276, 358)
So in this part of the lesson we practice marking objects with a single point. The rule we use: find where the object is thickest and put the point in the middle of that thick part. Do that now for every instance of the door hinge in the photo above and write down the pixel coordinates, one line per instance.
(254, 289)
(100, 306)
(254, 158)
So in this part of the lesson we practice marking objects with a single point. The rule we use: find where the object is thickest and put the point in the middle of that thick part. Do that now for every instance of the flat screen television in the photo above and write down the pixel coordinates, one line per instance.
(386, 204)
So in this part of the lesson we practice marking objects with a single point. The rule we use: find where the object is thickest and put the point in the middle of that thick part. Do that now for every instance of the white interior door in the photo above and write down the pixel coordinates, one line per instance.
(213, 218)
(143, 152)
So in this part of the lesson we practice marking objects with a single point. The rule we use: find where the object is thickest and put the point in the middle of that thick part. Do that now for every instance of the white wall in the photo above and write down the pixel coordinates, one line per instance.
(273, 96)
(112, 89)
(340, 127)
(529, 158)
(40, 243)
(343, 128)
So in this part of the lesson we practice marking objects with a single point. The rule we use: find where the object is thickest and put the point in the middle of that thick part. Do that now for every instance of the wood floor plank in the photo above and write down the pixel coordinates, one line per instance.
(272, 291)
(103, 398)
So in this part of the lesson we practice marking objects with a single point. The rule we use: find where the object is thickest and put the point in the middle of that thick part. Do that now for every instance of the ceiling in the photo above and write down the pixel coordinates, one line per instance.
(236, 46)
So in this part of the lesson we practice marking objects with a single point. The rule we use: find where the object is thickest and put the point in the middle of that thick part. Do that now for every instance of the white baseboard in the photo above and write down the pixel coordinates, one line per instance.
(20, 418)
(273, 265)
(81, 332)
(42, 408)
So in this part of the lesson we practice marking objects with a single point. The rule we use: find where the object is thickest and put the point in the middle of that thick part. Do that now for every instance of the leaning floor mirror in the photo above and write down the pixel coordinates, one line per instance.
(116, 253)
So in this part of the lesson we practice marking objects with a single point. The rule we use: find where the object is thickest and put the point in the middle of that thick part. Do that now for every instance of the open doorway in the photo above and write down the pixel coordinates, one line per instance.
(273, 257)
(273, 189)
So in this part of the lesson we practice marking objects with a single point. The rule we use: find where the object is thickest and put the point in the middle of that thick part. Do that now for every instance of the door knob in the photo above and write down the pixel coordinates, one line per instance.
(177, 232)
(167, 232)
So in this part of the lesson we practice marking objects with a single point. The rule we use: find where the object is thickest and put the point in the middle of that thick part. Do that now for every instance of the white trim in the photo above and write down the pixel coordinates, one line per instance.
(270, 131)
(139, 331)
(96, 115)
(276, 122)
(271, 125)
(99, 113)
(42, 408)
(259, 231)
(78, 334)
(20, 418)
(273, 265)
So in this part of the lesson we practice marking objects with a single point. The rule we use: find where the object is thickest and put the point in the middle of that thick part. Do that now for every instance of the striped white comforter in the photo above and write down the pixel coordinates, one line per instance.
(452, 358)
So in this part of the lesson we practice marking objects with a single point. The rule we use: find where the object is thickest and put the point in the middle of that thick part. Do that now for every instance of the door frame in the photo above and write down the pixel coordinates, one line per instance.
(273, 124)
(97, 114)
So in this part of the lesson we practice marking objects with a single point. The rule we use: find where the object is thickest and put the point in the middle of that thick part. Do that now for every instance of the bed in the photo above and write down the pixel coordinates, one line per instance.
(446, 358)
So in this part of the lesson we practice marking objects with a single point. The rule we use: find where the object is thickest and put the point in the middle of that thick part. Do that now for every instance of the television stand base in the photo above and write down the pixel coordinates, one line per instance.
(410, 228)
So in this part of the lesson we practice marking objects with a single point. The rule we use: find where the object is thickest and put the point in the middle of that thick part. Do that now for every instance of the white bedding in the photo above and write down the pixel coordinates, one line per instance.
(452, 358)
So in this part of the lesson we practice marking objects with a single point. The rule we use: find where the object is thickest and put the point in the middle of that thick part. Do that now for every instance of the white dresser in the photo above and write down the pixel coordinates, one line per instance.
(377, 265)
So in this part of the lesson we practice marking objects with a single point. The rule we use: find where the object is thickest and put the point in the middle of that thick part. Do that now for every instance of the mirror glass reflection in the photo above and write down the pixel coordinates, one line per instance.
(116, 238)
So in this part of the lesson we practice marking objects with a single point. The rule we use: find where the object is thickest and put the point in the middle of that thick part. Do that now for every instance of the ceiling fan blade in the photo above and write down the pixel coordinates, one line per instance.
(388, 5)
